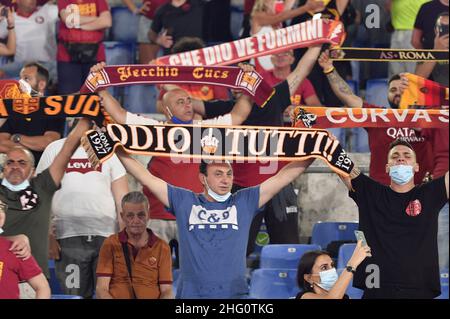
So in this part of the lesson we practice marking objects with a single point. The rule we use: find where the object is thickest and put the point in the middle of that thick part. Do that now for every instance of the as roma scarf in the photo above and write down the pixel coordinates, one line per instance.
(388, 55)
(423, 93)
(230, 77)
(333, 117)
(233, 143)
(87, 105)
(296, 36)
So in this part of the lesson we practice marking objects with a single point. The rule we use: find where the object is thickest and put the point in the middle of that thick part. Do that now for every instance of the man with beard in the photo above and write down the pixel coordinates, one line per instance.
(380, 138)
(34, 134)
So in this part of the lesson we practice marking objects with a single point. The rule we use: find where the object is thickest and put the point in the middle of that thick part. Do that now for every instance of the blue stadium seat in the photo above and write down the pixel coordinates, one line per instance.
(444, 285)
(140, 98)
(376, 92)
(237, 16)
(125, 25)
(175, 275)
(283, 256)
(359, 140)
(53, 282)
(352, 292)
(273, 284)
(66, 297)
(119, 53)
(324, 233)
(345, 252)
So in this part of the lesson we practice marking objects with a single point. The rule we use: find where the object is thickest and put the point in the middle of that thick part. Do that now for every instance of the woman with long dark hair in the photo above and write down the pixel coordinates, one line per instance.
(318, 278)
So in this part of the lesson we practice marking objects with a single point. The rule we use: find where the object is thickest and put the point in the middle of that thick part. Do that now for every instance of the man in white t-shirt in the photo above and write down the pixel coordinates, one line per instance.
(85, 212)
(36, 38)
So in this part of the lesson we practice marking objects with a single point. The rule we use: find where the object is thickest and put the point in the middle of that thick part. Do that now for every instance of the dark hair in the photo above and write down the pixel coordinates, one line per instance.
(400, 141)
(395, 77)
(442, 14)
(203, 167)
(305, 266)
(42, 72)
(186, 44)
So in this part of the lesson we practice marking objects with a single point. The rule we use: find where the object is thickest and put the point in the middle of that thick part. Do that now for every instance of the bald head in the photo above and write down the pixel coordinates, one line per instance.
(178, 103)
(19, 165)
(23, 150)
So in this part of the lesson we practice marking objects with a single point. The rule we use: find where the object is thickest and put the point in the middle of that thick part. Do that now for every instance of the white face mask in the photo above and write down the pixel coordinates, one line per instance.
(25, 87)
(215, 196)
(15, 188)
(328, 278)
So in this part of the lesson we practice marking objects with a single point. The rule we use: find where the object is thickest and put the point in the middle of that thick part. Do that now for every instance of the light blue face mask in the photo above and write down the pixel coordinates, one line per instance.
(401, 174)
(328, 278)
(215, 196)
(15, 188)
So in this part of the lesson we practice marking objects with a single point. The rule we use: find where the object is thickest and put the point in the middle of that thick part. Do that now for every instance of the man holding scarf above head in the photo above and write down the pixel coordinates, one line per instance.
(213, 226)
(178, 108)
(400, 222)
(280, 213)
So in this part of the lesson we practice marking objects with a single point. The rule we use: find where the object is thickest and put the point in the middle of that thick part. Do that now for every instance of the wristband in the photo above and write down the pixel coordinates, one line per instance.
(329, 70)
(10, 28)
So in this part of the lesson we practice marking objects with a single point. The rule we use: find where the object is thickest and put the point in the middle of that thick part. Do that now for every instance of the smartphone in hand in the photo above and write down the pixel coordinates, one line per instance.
(360, 237)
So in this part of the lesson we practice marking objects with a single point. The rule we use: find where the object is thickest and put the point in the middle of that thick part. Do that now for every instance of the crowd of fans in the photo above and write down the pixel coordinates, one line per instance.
(122, 240)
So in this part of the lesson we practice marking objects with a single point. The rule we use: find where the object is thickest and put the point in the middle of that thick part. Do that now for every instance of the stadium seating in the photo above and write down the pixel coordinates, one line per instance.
(237, 16)
(175, 276)
(325, 232)
(359, 140)
(53, 282)
(66, 297)
(125, 25)
(444, 285)
(376, 92)
(140, 98)
(283, 256)
(119, 52)
(345, 253)
(273, 284)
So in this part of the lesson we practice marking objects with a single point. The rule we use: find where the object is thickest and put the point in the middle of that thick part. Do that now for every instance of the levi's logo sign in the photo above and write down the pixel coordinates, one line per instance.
(82, 166)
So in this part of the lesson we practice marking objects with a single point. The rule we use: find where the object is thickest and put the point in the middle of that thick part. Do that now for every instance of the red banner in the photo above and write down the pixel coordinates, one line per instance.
(230, 77)
(334, 117)
(296, 36)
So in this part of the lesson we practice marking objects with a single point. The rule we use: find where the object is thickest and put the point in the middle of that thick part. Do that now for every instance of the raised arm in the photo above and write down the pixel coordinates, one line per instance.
(10, 47)
(156, 185)
(109, 103)
(338, 84)
(262, 18)
(58, 167)
(340, 287)
(241, 109)
(303, 68)
(341, 5)
(286, 175)
(426, 68)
